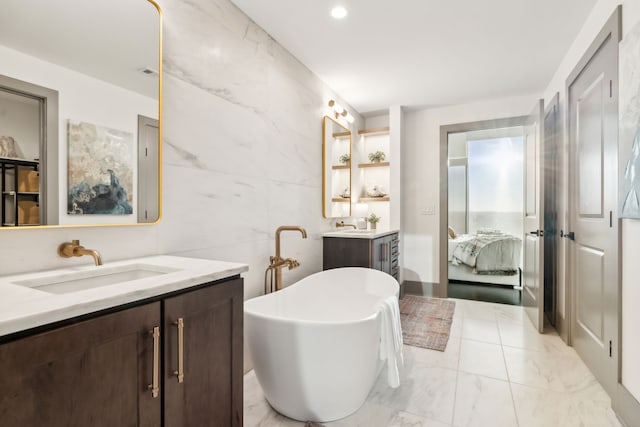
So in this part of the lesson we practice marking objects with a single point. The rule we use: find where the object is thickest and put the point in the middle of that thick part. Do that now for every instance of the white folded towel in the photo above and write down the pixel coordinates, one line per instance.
(391, 339)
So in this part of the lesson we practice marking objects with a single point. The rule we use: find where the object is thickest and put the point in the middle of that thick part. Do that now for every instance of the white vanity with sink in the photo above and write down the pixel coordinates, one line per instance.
(127, 343)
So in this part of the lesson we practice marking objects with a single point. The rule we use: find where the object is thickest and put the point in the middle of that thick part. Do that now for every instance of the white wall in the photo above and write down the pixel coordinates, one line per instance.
(421, 176)
(630, 228)
(81, 98)
(396, 132)
(378, 121)
(19, 118)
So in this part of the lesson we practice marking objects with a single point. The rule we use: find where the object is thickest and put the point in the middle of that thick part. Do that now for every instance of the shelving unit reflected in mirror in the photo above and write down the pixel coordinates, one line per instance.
(336, 169)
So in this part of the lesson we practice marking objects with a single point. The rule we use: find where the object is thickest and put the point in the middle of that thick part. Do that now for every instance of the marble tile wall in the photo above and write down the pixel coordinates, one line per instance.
(242, 125)
(243, 142)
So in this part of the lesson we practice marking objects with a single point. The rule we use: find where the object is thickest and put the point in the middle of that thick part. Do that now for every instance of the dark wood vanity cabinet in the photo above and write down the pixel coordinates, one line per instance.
(380, 253)
(100, 372)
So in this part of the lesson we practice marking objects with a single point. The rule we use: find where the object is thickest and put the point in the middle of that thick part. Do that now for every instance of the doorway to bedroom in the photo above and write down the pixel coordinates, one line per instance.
(485, 214)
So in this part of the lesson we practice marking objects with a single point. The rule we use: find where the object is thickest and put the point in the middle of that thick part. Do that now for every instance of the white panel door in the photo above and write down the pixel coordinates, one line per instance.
(148, 170)
(593, 177)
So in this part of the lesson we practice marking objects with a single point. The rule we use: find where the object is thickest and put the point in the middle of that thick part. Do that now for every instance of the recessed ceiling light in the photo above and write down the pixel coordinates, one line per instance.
(339, 12)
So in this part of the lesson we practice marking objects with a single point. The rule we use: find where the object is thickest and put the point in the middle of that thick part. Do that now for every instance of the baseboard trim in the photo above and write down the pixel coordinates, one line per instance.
(626, 407)
(412, 287)
(561, 328)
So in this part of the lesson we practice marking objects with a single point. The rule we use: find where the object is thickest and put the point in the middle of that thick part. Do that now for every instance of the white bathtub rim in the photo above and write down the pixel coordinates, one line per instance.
(282, 319)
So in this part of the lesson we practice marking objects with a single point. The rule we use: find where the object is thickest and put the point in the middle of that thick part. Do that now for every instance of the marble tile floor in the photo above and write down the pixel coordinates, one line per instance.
(496, 371)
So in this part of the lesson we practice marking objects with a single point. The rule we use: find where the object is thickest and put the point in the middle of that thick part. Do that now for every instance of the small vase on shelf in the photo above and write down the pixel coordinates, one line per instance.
(373, 220)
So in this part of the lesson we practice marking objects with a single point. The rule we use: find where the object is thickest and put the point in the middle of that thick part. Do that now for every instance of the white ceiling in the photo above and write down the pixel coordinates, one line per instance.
(425, 52)
(109, 40)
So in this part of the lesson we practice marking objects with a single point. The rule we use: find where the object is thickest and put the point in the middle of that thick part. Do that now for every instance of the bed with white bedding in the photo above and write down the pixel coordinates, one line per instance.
(492, 258)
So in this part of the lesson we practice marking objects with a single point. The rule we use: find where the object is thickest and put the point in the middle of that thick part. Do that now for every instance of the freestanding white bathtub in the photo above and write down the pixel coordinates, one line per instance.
(315, 344)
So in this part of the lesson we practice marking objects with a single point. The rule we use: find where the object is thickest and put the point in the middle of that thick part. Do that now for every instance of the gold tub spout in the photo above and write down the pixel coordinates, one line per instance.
(73, 248)
(287, 228)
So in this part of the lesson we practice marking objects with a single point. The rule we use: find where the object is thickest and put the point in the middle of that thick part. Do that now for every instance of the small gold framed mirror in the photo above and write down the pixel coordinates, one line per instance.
(336, 169)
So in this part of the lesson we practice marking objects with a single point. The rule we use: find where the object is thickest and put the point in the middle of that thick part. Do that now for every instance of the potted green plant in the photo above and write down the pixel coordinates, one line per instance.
(373, 219)
(345, 159)
(377, 156)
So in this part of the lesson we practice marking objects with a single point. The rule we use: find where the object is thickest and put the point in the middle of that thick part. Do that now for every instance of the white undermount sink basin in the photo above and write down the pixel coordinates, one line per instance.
(69, 282)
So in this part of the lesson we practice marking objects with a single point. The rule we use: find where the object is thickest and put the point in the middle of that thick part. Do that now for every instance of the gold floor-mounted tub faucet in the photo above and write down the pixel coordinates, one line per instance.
(73, 248)
(276, 263)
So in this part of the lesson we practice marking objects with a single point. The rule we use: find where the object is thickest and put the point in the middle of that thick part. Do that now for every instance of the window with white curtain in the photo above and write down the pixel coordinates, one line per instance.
(495, 184)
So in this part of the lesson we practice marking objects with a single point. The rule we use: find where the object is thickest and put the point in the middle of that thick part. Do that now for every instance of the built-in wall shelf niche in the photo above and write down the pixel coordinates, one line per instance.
(347, 166)
(374, 177)
(373, 199)
(373, 165)
(341, 200)
(374, 131)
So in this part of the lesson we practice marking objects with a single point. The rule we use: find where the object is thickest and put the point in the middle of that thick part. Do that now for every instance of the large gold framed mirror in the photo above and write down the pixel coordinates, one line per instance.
(80, 113)
(336, 169)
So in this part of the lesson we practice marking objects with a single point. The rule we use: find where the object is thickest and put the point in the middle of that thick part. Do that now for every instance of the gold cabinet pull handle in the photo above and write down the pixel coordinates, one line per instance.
(154, 386)
(180, 372)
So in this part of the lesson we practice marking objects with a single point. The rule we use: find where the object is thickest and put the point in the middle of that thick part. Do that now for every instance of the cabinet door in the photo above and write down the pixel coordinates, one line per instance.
(345, 252)
(394, 266)
(378, 253)
(382, 254)
(92, 373)
(210, 393)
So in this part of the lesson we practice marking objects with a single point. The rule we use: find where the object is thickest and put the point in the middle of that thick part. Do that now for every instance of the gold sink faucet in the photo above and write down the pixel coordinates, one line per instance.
(276, 263)
(342, 224)
(73, 248)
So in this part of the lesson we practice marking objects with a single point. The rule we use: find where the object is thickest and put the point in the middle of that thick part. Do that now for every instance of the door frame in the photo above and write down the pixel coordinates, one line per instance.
(48, 100)
(552, 144)
(148, 156)
(533, 270)
(441, 288)
(611, 29)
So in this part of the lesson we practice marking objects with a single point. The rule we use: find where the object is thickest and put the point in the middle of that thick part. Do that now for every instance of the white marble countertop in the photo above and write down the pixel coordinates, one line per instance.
(22, 307)
(359, 234)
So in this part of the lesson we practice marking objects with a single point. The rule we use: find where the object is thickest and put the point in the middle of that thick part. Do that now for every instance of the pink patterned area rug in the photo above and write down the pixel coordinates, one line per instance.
(426, 321)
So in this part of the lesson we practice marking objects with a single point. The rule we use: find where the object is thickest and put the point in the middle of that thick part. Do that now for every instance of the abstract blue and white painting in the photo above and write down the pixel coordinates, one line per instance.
(100, 170)
(629, 143)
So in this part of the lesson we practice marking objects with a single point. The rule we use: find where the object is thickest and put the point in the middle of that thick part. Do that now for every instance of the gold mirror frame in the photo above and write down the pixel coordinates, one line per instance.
(329, 163)
(159, 9)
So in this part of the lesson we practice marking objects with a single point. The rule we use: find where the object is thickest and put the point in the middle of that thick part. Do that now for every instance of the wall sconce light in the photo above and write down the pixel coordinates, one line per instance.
(339, 111)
